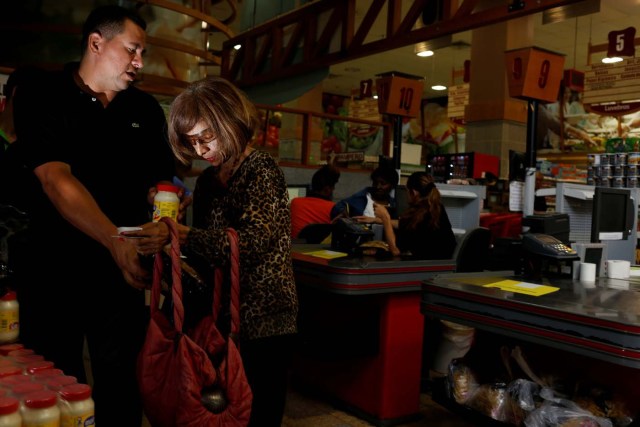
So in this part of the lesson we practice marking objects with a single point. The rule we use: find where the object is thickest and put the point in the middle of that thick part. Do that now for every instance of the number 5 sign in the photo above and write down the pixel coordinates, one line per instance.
(398, 94)
(534, 73)
(622, 43)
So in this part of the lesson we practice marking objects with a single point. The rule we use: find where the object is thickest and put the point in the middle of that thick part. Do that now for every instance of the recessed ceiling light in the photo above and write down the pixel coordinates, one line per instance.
(237, 47)
(438, 87)
(611, 60)
(425, 53)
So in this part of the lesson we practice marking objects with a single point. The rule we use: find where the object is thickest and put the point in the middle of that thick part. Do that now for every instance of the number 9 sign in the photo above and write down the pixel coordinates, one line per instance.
(534, 73)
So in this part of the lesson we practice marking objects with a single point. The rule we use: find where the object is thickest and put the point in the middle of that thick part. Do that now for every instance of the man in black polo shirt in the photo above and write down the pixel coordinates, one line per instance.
(98, 146)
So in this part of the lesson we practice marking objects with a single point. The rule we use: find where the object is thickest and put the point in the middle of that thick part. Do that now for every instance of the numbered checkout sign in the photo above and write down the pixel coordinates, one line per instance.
(399, 95)
(534, 73)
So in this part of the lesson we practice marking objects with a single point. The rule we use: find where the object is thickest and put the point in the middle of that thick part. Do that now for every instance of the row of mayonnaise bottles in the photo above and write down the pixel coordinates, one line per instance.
(33, 393)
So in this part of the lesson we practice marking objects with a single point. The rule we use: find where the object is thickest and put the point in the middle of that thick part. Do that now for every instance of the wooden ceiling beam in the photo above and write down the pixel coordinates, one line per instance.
(324, 45)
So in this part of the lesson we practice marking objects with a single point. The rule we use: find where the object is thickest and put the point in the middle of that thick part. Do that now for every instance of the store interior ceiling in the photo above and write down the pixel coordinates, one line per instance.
(570, 36)
(566, 34)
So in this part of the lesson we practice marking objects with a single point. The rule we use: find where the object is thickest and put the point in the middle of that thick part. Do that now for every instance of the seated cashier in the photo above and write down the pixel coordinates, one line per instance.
(316, 207)
(381, 192)
(423, 231)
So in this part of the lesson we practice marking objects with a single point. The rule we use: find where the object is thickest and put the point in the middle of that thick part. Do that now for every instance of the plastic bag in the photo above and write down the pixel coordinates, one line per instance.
(524, 392)
(461, 381)
(559, 412)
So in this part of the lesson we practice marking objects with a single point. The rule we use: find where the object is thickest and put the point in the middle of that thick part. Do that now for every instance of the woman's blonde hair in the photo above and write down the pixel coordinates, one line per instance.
(427, 203)
(225, 109)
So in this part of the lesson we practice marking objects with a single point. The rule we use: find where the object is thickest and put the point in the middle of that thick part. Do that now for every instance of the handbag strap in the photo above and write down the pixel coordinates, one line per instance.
(234, 308)
(176, 277)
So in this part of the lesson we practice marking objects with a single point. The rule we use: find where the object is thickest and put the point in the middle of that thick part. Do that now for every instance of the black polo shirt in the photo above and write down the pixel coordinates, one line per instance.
(117, 152)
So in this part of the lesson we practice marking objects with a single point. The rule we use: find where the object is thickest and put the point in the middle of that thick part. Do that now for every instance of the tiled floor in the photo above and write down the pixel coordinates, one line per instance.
(303, 410)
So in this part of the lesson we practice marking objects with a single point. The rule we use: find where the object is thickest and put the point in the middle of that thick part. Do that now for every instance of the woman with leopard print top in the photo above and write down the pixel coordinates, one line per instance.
(243, 189)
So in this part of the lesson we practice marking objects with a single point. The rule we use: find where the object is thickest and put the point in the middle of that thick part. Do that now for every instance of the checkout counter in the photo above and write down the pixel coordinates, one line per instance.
(361, 331)
(597, 321)
(360, 324)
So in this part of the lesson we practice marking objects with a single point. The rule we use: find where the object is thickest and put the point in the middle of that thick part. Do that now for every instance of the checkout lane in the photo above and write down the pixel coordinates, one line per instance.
(589, 331)
(362, 331)
(600, 320)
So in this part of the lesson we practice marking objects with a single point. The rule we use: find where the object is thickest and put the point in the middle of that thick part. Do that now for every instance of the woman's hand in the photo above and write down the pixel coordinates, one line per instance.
(381, 212)
(151, 239)
(186, 199)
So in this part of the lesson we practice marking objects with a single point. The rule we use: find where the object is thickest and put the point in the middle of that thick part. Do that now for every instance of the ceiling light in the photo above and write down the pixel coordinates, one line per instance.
(375, 96)
(611, 60)
(422, 49)
(425, 53)
(237, 47)
(438, 87)
(204, 25)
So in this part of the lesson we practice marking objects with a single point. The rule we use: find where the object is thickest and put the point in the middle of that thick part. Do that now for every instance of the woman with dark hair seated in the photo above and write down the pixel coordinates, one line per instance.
(423, 230)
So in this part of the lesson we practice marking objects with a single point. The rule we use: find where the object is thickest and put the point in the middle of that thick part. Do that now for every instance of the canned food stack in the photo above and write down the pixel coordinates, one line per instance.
(617, 170)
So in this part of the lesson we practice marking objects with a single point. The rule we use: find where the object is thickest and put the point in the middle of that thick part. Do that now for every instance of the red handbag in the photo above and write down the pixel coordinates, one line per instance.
(196, 380)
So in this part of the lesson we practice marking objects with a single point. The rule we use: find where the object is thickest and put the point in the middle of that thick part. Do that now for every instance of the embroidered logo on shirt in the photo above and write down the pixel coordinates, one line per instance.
(135, 125)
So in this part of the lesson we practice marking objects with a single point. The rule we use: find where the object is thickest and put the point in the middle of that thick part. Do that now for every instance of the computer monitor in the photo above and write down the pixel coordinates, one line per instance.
(612, 215)
(552, 223)
(297, 191)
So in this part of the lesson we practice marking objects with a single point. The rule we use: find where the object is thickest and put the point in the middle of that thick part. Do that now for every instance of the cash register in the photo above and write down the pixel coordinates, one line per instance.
(545, 247)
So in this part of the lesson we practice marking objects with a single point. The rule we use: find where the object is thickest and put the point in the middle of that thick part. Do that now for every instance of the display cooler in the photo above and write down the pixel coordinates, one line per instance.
(444, 167)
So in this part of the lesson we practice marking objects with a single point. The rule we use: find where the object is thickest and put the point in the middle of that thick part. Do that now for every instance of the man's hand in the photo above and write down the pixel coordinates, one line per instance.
(125, 255)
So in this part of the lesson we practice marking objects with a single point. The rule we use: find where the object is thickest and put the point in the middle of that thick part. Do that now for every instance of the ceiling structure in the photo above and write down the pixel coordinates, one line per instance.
(169, 29)
(570, 37)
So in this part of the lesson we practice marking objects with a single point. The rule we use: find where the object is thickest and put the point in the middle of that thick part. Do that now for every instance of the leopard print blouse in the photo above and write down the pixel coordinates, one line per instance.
(255, 204)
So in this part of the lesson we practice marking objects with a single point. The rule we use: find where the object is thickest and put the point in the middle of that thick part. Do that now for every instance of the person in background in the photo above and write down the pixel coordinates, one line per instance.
(98, 149)
(423, 230)
(316, 207)
(243, 189)
(382, 192)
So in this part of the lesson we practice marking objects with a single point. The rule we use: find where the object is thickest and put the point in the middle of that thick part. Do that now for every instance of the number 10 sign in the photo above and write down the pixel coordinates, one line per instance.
(534, 73)
(399, 95)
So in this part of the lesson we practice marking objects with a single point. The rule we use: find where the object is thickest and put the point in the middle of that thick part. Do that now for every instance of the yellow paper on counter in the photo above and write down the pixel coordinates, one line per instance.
(522, 287)
(326, 254)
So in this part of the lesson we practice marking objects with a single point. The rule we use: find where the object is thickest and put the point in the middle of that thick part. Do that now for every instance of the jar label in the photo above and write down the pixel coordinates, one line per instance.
(9, 320)
(77, 420)
(169, 209)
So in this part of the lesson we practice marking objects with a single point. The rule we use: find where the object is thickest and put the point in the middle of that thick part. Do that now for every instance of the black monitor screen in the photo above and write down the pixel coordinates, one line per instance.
(517, 165)
(612, 214)
(592, 255)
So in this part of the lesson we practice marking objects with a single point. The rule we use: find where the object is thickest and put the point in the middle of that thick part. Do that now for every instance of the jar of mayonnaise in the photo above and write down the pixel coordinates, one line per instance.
(41, 409)
(76, 406)
(166, 202)
(9, 321)
(10, 412)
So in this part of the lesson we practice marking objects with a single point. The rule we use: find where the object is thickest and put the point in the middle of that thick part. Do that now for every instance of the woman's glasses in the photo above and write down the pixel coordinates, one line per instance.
(203, 137)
